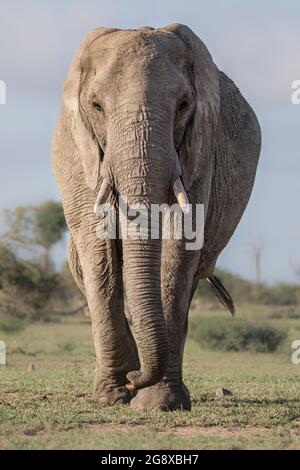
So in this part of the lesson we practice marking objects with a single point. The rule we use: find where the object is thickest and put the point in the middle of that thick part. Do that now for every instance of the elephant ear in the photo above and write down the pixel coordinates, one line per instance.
(85, 141)
(236, 155)
(195, 148)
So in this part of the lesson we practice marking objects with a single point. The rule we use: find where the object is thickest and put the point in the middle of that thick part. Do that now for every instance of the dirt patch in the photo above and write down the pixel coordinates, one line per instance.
(113, 427)
(190, 431)
(3, 441)
(216, 431)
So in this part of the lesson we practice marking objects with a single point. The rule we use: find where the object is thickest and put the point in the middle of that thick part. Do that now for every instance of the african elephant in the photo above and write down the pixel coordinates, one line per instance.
(146, 112)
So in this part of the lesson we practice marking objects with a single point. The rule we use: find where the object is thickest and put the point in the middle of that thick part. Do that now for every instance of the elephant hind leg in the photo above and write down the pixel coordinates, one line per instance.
(75, 266)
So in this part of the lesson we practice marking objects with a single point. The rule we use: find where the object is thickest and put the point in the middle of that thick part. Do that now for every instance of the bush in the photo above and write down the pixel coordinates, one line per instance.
(67, 292)
(236, 335)
(291, 314)
(24, 288)
(10, 324)
(29, 293)
(280, 294)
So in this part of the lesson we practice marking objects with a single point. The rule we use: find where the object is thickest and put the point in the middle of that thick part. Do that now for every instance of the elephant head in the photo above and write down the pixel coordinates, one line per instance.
(143, 109)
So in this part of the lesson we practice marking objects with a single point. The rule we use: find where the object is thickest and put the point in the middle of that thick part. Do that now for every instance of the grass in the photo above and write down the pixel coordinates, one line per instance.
(51, 406)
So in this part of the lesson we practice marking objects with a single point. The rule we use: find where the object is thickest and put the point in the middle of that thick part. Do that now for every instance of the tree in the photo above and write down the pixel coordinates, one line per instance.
(256, 247)
(24, 284)
(35, 228)
(49, 227)
(30, 288)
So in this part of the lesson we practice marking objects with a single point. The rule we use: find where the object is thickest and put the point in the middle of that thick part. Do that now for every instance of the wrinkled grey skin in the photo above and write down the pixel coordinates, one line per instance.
(135, 103)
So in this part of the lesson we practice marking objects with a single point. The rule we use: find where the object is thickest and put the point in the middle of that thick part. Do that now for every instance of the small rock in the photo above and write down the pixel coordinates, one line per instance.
(223, 392)
(31, 366)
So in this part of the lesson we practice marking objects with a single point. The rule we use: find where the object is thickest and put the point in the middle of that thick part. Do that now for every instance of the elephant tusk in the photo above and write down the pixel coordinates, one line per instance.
(181, 196)
(102, 195)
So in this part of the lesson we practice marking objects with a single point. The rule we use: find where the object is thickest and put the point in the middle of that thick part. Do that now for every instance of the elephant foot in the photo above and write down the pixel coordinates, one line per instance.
(163, 396)
(111, 394)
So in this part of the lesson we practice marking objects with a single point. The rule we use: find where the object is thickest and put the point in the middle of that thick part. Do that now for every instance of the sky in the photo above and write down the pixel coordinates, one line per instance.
(255, 43)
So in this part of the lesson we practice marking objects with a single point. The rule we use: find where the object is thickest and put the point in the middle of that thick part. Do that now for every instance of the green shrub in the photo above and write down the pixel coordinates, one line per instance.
(278, 315)
(67, 292)
(236, 335)
(279, 294)
(25, 289)
(290, 314)
(10, 324)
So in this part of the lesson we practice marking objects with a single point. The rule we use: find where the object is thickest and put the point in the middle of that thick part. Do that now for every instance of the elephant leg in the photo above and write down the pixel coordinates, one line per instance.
(116, 352)
(178, 269)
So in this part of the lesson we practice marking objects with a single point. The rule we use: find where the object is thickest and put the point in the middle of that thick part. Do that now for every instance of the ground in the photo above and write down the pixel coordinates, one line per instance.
(46, 401)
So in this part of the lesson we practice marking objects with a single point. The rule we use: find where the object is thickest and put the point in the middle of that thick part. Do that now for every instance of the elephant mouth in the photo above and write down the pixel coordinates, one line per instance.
(178, 190)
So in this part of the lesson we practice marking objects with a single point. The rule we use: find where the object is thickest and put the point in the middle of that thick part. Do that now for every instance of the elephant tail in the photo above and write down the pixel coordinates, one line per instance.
(222, 294)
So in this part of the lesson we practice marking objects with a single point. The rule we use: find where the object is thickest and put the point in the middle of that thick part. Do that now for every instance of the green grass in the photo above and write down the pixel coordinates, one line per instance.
(52, 407)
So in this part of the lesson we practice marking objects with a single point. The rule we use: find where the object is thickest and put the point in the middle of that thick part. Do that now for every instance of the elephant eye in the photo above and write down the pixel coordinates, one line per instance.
(183, 105)
(97, 106)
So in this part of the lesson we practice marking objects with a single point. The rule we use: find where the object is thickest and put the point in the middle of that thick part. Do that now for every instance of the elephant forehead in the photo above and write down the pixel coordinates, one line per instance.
(138, 63)
(141, 48)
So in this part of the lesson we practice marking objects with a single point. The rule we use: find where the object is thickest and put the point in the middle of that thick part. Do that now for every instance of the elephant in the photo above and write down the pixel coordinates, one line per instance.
(146, 114)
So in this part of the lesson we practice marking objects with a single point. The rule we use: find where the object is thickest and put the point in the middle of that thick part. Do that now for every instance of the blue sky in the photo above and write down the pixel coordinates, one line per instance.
(256, 44)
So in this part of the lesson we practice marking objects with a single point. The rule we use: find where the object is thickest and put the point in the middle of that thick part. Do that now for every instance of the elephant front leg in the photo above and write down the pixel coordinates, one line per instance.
(178, 269)
(116, 352)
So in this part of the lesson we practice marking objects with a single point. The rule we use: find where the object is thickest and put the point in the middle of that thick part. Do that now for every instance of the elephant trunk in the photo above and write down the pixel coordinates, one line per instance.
(142, 267)
(142, 280)
(143, 164)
